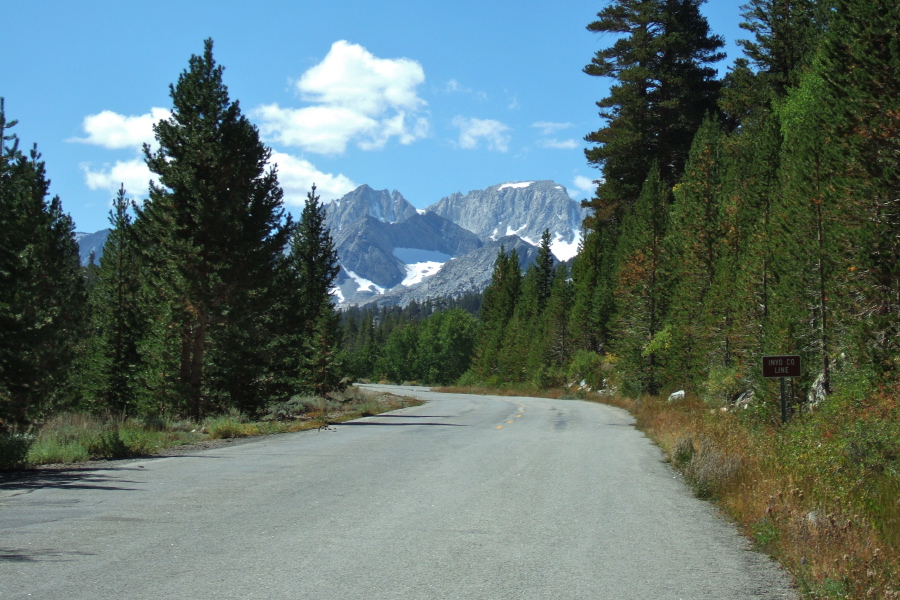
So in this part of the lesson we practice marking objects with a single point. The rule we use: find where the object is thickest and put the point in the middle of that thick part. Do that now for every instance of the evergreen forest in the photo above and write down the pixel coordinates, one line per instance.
(208, 296)
(734, 217)
(737, 217)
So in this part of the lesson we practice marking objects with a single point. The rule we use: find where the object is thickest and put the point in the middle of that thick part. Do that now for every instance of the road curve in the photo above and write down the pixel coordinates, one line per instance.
(464, 497)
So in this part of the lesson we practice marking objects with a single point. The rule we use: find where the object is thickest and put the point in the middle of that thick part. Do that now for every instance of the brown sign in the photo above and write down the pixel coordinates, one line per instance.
(781, 366)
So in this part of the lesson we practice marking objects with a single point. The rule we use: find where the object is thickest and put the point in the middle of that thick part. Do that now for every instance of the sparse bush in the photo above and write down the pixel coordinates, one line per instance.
(683, 451)
(293, 408)
(710, 469)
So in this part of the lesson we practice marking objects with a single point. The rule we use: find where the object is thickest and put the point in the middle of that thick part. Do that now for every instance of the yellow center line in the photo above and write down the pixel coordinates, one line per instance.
(499, 427)
(510, 421)
(518, 416)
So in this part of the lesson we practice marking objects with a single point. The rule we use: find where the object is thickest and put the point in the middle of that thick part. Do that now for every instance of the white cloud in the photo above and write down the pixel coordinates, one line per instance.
(549, 127)
(114, 131)
(351, 76)
(320, 129)
(558, 144)
(582, 185)
(453, 86)
(357, 98)
(473, 131)
(133, 174)
(296, 177)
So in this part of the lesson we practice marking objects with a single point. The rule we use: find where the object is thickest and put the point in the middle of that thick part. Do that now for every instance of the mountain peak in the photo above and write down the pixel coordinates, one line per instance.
(387, 207)
(521, 208)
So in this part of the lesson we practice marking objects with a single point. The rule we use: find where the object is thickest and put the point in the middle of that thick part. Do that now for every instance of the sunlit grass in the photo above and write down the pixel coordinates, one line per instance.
(77, 437)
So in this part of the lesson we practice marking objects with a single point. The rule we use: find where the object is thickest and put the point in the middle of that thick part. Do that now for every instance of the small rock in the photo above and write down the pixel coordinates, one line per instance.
(676, 396)
(743, 401)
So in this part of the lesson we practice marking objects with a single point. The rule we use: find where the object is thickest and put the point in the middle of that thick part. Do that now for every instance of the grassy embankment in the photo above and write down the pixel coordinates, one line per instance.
(77, 437)
(820, 494)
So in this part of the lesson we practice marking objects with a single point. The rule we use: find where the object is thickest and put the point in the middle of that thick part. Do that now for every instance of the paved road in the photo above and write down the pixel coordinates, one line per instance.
(464, 497)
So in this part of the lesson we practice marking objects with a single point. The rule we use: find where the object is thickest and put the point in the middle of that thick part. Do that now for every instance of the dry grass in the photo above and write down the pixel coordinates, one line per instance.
(814, 496)
(78, 437)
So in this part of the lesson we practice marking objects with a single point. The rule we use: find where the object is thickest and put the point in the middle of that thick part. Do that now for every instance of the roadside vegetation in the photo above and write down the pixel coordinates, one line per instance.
(74, 437)
(821, 494)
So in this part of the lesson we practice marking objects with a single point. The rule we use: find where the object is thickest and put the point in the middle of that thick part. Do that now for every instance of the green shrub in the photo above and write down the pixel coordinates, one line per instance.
(50, 450)
(588, 367)
(107, 444)
(14, 450)
(722, 385)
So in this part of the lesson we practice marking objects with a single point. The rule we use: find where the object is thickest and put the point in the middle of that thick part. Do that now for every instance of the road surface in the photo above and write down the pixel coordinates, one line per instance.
(464, 497)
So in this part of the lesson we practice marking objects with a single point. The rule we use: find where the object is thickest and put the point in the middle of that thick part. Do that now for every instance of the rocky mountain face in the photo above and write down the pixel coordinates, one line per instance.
(524, 209)
(379, 251)
(391, 253)
(468, 273)
(384, 206)
(91, 243)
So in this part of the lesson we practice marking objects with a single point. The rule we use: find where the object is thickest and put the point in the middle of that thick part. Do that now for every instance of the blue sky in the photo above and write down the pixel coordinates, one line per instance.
(428, 98)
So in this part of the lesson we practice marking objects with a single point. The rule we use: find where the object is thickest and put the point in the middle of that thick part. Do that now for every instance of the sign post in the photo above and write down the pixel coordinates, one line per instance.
(781, 367)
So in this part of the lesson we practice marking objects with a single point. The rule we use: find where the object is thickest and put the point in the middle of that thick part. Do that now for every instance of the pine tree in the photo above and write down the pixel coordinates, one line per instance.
(213, 232)
(118, 318)
(785, 36)
(859, 62)
(42, 304)
(313, 259)
(664, 86)
(639, 294)
(814, 223)
(523, 347)
(552, 345)
(692, 246)
(497, 309)
(312, 265)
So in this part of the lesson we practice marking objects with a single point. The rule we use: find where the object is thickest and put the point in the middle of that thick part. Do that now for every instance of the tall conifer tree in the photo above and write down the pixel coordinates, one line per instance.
(42, 304)
(639, 295)
(213, 229)
(664, 85)
(119, 322)
(312, 268)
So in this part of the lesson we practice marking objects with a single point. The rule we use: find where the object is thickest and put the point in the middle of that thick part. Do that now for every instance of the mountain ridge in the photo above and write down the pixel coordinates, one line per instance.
(392, 253)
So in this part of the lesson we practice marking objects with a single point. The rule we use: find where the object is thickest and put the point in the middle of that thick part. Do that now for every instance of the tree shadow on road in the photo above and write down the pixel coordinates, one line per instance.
(30, 555)
(82, 478)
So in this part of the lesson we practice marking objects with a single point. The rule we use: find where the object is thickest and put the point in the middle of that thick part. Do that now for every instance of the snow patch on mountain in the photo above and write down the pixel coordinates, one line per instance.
(515, 185)
(562, 249)
(417, 272)
(364, 285)
(518, 232)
